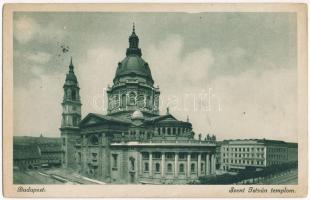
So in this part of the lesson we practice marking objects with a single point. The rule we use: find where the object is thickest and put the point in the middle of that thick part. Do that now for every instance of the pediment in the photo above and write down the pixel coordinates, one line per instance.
(167, 118)
(91, 120)
(96, 119)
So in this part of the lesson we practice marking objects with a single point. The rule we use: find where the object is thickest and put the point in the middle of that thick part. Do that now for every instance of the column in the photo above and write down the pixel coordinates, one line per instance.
(163, 164)
(100, 160)
(212, 164)
(150, 163)
(207, 164)
(188, 165)
(176, 164)
(140, 164)
(199, 164)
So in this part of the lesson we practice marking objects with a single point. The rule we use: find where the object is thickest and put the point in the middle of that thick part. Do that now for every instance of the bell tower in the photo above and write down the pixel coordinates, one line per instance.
(71, 116)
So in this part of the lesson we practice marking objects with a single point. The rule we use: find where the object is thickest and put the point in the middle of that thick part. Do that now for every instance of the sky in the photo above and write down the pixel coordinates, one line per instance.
(233, 74)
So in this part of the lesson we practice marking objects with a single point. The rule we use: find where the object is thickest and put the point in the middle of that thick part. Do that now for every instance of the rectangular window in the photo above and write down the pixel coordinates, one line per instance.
(182, 156)
(169, 155)
(145, 155)
(157, 155)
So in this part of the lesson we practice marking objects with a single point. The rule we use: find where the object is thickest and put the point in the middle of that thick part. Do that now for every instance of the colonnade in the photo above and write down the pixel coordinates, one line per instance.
(208, 168)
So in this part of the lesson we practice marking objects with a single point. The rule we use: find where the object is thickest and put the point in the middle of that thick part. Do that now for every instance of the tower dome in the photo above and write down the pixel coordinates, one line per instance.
(137, 115)
(133, 65)
(71, 78)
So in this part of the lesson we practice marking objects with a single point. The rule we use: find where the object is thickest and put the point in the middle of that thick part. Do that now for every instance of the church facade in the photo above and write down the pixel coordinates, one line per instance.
(132, 143)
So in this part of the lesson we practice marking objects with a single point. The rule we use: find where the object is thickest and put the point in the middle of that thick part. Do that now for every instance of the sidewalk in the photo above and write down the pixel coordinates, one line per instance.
(72, 176)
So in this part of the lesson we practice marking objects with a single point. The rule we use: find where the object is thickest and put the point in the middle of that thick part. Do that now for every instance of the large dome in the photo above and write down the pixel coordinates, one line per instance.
(133, 65)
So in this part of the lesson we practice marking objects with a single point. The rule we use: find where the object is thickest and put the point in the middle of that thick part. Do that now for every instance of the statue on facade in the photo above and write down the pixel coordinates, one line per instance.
(208, 137)
(213, 138)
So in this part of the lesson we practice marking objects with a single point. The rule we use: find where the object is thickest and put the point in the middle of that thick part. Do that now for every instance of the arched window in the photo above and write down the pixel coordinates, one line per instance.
(123, 100)
(146, 167)
(116, 101)
(140, 101)
(148, 102)
(75, 121)
(94, 140)
(193, 168)
(114, 164)
(169, 167)
(73, 97)
(68, 93)
(157, 167)
(181, 168)
(132, 163)
(132, 98)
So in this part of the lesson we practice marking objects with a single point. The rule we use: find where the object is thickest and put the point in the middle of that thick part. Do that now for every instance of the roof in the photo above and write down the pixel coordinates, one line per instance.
(263, 141)
(27, 140)
(94, 118)
(71, 76)
(133, 65)
(168, 118)
(110, 118)
(26, 152)
(292, 145)
(161, 117)
(50, 148)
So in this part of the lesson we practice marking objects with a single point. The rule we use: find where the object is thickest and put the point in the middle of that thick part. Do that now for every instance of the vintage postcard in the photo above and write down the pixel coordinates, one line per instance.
(155, 100)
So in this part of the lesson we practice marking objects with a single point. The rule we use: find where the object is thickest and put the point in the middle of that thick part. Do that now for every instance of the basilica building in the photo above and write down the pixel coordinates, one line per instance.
(133, 142)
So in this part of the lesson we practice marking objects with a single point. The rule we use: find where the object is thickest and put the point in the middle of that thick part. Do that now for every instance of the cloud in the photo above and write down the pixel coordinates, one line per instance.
(26, 29)
(38, 57)
(253, 105)
(37, 109)
(179, 68)
(95, 73)
(256, 94)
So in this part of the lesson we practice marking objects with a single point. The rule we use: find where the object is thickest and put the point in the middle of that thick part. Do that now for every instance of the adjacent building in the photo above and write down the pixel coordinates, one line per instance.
(51, 154)
(133, 142)
(256, 154)
(36, 152)
(26, 157)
